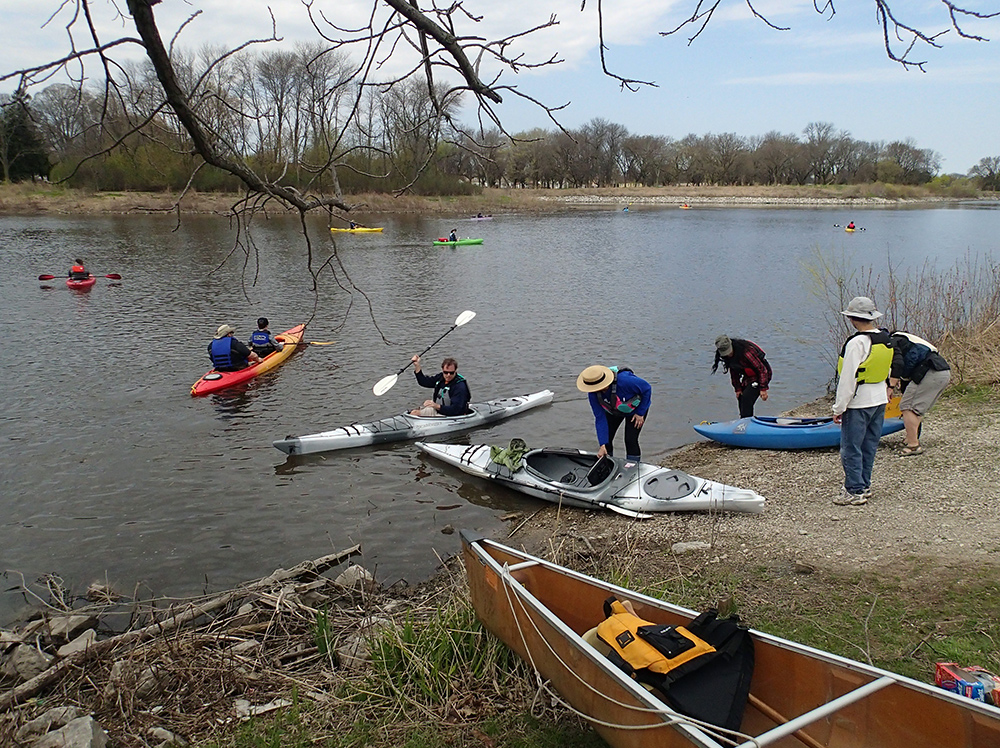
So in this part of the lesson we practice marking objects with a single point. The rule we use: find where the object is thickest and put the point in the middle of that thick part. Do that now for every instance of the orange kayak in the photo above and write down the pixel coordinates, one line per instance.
(213, 381)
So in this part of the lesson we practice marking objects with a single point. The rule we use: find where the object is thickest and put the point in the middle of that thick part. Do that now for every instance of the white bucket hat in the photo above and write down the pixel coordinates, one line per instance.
(863, 308)
(223, 331)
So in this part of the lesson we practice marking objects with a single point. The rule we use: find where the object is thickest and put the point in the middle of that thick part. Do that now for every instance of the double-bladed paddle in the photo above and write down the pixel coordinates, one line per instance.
(112, 276)
(386, 383)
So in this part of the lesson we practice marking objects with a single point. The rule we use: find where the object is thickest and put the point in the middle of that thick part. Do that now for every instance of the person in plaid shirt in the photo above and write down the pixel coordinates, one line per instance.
(748, 369)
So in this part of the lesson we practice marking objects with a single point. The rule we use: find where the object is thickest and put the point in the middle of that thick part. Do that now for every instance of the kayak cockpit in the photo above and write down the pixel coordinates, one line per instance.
(582, 471)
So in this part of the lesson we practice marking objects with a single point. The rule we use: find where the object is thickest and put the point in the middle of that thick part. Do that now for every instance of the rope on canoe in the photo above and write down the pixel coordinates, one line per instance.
(720, 734)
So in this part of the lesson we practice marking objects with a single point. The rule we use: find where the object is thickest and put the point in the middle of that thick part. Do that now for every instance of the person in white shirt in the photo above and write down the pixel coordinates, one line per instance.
(862, 393)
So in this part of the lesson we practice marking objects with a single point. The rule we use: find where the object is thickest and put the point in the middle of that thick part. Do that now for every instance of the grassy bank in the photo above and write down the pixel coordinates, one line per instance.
(38, 198)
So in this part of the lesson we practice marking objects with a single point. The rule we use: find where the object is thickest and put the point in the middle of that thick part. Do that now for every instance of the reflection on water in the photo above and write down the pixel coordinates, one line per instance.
(114, 470)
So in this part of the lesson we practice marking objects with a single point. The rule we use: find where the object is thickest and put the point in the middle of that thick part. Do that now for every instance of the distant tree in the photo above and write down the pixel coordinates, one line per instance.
(987, 173)
(22, 150)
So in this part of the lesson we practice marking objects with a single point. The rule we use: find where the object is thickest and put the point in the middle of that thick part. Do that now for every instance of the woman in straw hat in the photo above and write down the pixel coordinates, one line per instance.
(616, 395)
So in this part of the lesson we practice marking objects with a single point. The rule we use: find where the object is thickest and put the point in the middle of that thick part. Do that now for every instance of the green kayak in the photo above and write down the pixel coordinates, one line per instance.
(459, 242)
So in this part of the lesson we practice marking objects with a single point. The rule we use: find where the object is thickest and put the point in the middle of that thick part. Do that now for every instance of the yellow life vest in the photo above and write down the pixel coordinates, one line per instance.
(620, 631)
(875, 368)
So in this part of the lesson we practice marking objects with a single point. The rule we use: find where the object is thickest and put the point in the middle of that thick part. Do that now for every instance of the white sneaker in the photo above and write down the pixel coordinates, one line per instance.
(867, 493)
(846, 498)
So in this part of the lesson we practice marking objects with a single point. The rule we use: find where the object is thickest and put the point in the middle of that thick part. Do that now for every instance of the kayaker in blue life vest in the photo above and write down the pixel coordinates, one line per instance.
(78, 271)
(229, 354)
(616, 395)
(451, 391)
(262, 342)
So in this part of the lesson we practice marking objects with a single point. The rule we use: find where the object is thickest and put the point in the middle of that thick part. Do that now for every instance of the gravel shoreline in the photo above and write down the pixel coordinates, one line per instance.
(942, 506)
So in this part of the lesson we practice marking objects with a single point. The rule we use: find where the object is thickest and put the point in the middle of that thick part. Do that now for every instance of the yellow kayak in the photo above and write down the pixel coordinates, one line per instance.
(358, 230)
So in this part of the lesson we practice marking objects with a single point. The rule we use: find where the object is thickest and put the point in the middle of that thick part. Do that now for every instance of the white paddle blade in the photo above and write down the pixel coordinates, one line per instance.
(464, 318)
(384, 384)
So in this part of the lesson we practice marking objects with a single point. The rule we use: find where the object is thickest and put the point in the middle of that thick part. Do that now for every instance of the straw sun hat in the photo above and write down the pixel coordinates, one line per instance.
(594, 378)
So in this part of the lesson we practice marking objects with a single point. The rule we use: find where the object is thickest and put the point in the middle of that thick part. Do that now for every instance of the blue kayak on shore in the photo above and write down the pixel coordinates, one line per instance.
(763, 432)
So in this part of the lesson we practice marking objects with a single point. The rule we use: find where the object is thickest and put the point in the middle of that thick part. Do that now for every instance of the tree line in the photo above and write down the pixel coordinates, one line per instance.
(299, 116)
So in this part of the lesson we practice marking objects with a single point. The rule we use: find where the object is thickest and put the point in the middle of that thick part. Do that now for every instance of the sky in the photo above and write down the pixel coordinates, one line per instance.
(739, 76)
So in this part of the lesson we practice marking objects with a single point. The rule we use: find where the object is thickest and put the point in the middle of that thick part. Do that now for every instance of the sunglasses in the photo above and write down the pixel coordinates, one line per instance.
(449, 373)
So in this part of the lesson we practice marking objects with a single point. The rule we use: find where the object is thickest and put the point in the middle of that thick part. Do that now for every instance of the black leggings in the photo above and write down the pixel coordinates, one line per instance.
(747, 400)
(631, 434)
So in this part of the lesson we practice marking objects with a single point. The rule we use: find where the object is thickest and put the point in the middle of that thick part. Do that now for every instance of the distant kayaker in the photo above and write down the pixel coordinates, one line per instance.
(479, 215)
(748, 370)
(453, 236)
(451, 391)
(229, 354)
(862, 394)
(850, 226)
(353, 225)
(616, 395)
(78, 271)
(921, 373)
(262, 342)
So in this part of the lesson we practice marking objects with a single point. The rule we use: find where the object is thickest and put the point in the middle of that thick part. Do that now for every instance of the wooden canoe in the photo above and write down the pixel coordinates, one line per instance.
(800, 697)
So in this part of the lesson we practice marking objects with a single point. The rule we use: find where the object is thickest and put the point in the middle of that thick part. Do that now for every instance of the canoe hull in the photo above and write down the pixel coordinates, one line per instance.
(541, 610)
(760, 432)
(404, 426)
(213, 380)
(563, 476)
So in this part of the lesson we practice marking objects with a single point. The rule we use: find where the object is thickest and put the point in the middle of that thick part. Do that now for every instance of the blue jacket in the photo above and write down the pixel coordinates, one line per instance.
(454, 396)
(629, 395)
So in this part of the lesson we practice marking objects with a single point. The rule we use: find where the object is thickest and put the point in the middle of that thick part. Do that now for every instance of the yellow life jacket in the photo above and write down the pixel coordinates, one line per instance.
(621, 631)
(875, 368)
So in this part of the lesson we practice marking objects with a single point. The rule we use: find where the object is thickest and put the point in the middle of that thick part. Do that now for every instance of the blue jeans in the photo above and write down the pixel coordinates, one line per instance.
(860, 431)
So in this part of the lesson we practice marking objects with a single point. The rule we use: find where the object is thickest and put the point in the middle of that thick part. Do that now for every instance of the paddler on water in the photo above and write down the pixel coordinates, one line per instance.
(262, 341)
(453, 236)
(229, 354)
(451, 391)
(616, 394)
(78, 271)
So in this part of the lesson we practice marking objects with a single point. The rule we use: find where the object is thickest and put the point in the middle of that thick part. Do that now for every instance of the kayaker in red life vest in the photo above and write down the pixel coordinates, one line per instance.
(851, 225)
(229, 354)
(748, 370)
(78, 271)
(451, 391)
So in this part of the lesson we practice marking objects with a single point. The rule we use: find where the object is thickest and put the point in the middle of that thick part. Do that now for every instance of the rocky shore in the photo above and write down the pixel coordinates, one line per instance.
(29, 199)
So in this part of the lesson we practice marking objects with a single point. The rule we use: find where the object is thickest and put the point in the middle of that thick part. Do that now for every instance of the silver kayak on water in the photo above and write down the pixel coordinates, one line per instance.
(405, 426)
(576, 478)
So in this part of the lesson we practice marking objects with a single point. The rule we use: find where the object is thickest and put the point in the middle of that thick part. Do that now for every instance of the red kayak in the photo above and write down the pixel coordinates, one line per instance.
(82, 284)
(214, 380)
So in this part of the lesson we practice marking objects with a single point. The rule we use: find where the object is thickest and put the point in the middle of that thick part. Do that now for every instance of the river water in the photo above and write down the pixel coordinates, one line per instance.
(112, 472)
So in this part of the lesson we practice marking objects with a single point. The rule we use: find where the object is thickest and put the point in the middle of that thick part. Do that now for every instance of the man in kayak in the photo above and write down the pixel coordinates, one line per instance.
(748, 370)
(862, 393)
(229, 354)
(78, 271)
(616, 395)
(451, 391)
(453, 236)
(262, 342)
(851, 225)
